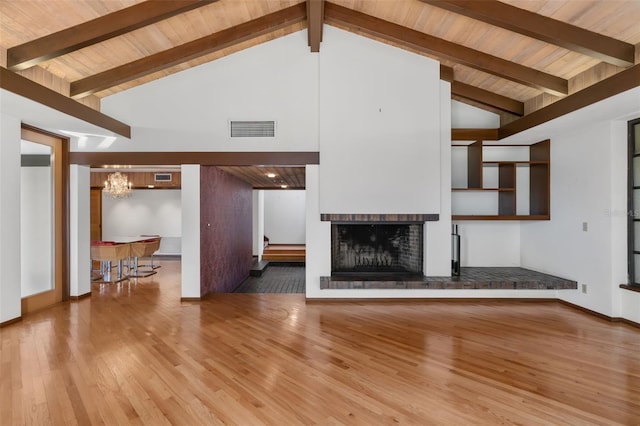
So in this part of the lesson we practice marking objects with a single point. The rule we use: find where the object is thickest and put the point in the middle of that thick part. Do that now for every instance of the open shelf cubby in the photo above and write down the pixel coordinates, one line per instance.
(501, 182)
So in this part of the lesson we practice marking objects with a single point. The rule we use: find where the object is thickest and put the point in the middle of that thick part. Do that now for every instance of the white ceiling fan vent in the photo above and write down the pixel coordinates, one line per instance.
(252, 129)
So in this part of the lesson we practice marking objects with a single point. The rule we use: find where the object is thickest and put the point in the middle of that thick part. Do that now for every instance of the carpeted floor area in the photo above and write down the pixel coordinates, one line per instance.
(276, 279)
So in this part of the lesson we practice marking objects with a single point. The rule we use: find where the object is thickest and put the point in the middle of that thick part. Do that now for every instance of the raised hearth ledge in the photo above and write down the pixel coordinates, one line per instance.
(472, 278)
(368, 218)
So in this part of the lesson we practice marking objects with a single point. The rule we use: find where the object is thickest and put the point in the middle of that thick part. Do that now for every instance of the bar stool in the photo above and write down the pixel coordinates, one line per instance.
(141, 249)
(106, 252)
(155, 239)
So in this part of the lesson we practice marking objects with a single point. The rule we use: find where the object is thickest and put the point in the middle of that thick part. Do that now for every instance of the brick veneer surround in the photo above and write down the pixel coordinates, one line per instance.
(394, 217)
(376, 247)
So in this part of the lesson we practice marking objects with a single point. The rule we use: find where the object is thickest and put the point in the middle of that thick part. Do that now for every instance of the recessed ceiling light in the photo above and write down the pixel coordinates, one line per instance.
(271, 175)
(150, 186)
(283, 186)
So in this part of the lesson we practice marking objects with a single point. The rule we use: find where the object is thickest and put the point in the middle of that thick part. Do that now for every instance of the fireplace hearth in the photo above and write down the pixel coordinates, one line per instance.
(377, 249)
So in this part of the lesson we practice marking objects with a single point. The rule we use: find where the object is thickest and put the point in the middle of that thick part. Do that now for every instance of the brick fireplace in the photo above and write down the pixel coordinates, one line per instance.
(377, 246)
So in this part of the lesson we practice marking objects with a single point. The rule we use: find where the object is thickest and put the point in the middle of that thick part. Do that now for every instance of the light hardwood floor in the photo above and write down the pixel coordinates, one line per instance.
(133, 354)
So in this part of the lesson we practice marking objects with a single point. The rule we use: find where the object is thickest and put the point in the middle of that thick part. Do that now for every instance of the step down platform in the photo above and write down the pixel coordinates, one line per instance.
(285, 253)
(258, 268)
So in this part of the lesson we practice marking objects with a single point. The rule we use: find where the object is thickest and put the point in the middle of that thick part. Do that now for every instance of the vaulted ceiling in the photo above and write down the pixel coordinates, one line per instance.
(512, 57)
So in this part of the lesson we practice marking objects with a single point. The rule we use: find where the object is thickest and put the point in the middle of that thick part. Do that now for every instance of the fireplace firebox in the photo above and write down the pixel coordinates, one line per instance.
(377, 248)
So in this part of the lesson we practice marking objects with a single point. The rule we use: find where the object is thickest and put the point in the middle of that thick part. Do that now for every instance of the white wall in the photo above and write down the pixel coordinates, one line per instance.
(9, 218)
(437, 241)
(190, 201)
(284, 216)
(582, 177)
(467, 116)
(79, 231)
(258, 223)
(629, 305)
(489, 243)
(190, 110)
(146, 212)
(379, 127)
(318, 233)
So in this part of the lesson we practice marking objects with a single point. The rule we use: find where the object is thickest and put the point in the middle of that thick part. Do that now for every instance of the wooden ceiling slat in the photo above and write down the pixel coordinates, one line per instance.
(24, 87)
(315, 18)
(621, 82)
(488, 98)
(293, 177)
(105, 27)
(188, 51)
(442, 48)
(543, 28)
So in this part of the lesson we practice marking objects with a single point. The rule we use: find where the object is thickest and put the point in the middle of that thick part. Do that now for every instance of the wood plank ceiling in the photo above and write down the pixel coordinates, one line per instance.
(511, 57)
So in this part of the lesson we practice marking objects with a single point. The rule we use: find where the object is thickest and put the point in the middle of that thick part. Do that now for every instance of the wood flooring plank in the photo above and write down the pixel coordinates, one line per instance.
(134, 354)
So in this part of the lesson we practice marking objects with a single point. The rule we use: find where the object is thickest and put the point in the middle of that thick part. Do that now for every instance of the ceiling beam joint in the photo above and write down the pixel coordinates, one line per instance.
(26, 88)
(91, 32)
(428, 44)
(315, 20)
(188, 51)
(614, 85)
(543, 28)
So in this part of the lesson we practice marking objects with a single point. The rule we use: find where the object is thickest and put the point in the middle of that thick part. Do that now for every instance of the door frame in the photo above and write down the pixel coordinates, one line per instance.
(60, 170)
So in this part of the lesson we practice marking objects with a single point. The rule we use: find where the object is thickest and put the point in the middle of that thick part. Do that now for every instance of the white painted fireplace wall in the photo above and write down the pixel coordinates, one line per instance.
(379, 128)
(384, 148)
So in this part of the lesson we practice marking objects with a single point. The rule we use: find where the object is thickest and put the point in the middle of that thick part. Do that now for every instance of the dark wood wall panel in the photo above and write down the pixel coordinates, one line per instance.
(226, 237)
(139, 180)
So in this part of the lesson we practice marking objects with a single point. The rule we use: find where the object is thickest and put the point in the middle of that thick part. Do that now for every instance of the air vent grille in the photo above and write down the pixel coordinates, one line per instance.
(253, 129)
(162, 177)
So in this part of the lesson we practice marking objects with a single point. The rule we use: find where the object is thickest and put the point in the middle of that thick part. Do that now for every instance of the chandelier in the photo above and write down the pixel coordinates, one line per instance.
(117, 185)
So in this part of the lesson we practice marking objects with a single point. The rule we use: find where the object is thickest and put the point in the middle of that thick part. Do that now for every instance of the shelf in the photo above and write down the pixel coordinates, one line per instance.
(499, 217)
(497, 163)
(483, 189)
(515, 171)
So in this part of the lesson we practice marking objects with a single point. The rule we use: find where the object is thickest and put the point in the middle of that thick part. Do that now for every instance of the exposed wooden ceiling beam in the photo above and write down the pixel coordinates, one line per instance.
(105, 27)
(487, 98)
(315, 20)
(474, 134)
(191, 50)
(543, 28)
(24, 87)
(98, 159)
(445, 49)
(446, 73)
(621, 82)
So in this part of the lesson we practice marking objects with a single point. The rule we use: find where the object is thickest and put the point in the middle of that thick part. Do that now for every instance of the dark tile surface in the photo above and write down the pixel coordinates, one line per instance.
(258, 268)
(470, 278)
(276, 279)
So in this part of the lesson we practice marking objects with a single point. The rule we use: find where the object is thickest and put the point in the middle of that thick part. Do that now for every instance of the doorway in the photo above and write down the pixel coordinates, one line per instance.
(44, 219)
